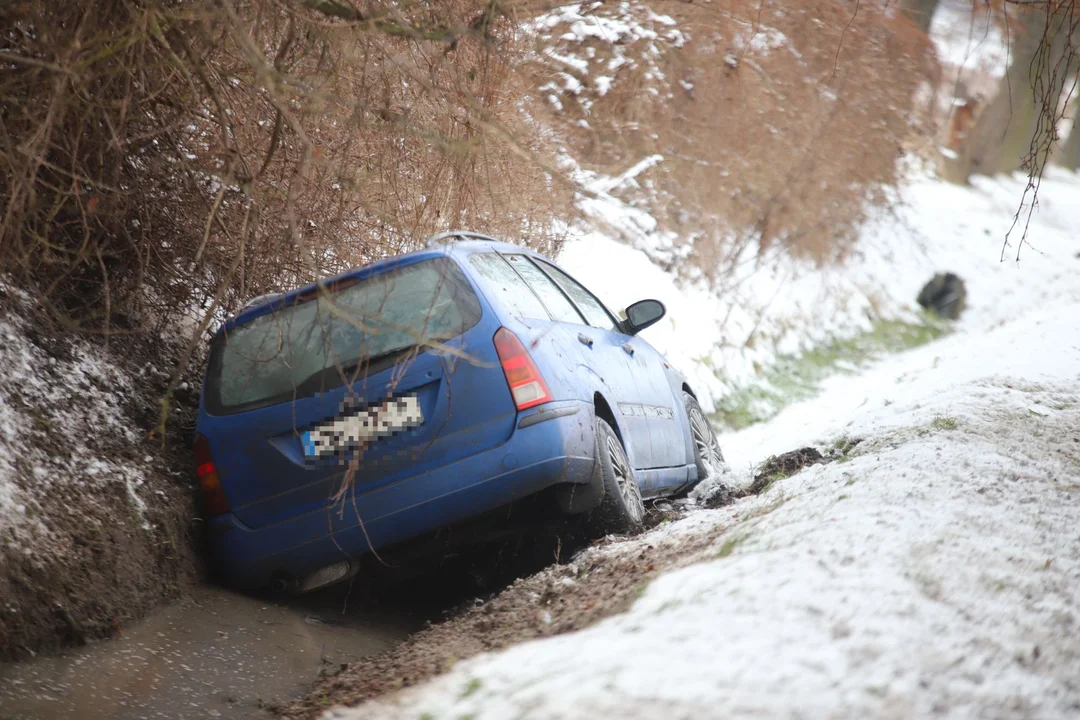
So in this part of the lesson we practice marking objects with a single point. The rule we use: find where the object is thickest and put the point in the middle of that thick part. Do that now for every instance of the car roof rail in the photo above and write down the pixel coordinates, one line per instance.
(456, 235)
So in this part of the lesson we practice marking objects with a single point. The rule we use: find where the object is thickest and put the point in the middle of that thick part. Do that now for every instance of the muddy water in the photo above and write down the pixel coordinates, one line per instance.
(213, 655)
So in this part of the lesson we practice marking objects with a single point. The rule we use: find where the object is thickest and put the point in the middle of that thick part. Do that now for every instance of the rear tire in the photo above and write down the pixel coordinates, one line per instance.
(708, 456)
(621, 509)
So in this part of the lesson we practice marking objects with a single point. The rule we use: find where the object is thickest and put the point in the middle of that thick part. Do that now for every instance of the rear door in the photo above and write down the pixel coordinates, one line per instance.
(414, 334)
(654, 396)
(583, 356)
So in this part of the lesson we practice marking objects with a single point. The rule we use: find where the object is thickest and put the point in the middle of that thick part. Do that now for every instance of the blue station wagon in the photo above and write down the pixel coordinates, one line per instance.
(412, 395)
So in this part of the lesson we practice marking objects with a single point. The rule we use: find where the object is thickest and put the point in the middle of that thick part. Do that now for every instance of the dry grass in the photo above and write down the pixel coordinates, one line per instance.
(211, 151)
(780, 123)
(162, 161)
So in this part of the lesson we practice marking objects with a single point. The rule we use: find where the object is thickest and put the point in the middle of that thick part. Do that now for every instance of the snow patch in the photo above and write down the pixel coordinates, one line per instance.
(632, 38)
(59, 409)
(968, 40)
(772, 305)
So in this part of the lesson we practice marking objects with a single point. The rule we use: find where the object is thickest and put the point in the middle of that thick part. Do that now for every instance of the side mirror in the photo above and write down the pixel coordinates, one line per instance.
(642, 314)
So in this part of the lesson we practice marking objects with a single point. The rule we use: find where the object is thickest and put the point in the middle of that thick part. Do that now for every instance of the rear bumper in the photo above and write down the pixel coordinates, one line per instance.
(552, 445)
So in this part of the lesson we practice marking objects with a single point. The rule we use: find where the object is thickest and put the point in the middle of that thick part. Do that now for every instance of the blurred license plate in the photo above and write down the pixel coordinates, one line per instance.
(358, 430)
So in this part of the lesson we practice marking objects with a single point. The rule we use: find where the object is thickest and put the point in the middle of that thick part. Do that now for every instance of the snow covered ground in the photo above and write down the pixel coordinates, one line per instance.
(57, 411)
(935, 572)
(725, 338)
(776, 306)
(94, 520)
(967, 40)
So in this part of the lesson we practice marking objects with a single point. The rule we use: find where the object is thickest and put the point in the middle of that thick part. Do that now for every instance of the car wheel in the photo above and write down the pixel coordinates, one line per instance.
(708, 456)
(621, 509)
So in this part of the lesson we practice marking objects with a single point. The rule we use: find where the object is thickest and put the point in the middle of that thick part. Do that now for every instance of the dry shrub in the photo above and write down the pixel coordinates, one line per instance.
(779, 122)
(160, 158)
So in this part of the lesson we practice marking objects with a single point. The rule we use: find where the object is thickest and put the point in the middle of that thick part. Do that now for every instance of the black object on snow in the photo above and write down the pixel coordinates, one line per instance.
(945, 295)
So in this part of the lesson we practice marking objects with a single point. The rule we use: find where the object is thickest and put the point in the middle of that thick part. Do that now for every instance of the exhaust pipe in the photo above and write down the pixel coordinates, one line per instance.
(329, 575)
(284, 585)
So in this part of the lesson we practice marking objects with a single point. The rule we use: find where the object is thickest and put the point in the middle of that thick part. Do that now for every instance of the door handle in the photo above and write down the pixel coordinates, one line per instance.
(628, 349)
(584, 339)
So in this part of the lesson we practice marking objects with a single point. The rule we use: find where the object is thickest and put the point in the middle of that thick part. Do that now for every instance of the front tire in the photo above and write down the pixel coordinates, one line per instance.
(708, 456)
(621, 509)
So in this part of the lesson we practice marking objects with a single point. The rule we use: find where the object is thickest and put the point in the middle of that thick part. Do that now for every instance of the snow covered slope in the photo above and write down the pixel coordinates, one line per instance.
(771, 307)
(76, 401)
(936, 571)
(94, 527)
(774, 306)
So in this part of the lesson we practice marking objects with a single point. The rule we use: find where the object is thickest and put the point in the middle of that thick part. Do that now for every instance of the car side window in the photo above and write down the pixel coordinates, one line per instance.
(593, 310)
(508, 287)
(554, 300)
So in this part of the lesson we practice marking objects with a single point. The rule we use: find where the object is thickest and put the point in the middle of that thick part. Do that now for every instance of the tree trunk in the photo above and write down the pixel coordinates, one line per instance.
(1070, 153)
(921, 12)
(1069, 158)
(1018, 120)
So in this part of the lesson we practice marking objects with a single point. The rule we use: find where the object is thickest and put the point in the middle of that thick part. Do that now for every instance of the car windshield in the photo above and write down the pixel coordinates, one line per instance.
(356, 328)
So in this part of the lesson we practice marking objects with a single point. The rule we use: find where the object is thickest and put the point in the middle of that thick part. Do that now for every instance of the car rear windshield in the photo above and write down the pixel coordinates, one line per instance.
(355, 329)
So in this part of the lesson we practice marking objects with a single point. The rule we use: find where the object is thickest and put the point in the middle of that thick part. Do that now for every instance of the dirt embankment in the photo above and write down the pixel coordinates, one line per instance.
(597, 582)
(96, 513)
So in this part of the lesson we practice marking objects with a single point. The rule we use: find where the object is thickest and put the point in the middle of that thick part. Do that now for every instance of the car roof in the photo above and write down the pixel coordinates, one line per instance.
(266, 303)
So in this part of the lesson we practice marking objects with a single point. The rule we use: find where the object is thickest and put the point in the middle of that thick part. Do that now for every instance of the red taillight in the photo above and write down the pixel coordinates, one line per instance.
(526, 384)
(212, 492)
